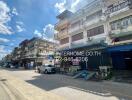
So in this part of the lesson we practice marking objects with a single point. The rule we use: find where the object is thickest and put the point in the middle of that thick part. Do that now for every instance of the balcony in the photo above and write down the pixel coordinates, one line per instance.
(63, 46)
(119, 7)
(101, 38)
(93, 21)
(61, 34)
(78, 43)
(118, 33)
(61, 23)
(45, 54)
(76, 29)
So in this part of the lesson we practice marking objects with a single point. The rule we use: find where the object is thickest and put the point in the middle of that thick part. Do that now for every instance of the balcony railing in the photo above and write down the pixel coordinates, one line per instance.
(118, 7)
(61, 23)
(96, 39)
(120, 33)
(61, 34)
(63, 46)
(75, 28)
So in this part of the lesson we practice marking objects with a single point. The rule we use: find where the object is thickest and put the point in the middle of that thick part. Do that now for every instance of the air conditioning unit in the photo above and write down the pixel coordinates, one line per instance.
(89, 39)
(103, 18)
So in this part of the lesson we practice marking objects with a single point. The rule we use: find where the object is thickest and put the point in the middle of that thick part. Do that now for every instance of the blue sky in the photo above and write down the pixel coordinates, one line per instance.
(24, 19)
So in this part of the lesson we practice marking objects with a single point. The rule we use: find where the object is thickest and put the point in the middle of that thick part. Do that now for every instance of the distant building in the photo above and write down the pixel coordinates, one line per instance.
(15, 56)
(33, 52)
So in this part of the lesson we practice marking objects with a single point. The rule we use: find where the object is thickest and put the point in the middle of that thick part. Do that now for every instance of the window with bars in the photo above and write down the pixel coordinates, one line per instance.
(125, 22)
(121, 23)
(131, 20)
(77, 23)
(77, 37)
(64, 41)
(95, 15)
(95, 31)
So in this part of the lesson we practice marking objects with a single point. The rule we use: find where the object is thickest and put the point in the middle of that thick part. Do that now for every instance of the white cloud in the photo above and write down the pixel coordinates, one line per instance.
(3, 51)
(19, 23)
(37, 33)
(47, 33)
(3, 40)
(72, 5)
(12, 44)
(14, 11)
(4, 18)
(61, 6)
(48, 30)
(5, 29)
(20, 28)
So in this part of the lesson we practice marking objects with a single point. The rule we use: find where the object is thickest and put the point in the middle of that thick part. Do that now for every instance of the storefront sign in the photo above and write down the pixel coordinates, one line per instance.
(81, 56)
(81, 53)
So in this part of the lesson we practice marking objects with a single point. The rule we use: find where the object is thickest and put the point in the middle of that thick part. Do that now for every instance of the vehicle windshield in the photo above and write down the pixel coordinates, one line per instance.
(48, 66)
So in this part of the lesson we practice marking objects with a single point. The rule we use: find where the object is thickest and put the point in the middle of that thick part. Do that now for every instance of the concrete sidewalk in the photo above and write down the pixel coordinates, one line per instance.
(28, 91)
(73, 93)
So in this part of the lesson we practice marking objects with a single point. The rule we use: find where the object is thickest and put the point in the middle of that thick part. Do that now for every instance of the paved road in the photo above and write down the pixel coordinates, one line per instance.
(8, 92)
(3, 94)
(56, 81)
(13, 88)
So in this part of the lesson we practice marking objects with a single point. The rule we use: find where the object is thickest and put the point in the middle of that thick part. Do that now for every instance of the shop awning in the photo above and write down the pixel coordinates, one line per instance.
(121, 34)
(126, 47)
(88, 47)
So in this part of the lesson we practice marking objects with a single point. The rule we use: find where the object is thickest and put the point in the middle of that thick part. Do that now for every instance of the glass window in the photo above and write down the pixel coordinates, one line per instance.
(118, 24)
(92, 32)
(95, 31)
(49, 66)
(88, 33)
(122, 23)
(115, 8)
(64, 41)
(75, 24)
(125, 22)
(131, 20)
(95, 15)
(101, 29)
(77, 37)
(113, 26)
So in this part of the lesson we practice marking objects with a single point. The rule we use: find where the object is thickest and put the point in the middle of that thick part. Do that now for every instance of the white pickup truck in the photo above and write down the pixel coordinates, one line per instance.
(47, 68)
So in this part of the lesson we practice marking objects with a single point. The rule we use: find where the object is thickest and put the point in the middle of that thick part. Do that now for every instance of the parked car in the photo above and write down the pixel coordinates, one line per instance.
(8, 65)
(47, 68)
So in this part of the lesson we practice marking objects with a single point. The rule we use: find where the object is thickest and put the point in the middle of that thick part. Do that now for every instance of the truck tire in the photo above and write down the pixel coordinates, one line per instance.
(46, 71)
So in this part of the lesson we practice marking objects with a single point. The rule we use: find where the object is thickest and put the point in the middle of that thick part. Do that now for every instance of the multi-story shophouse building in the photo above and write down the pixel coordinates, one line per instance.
(97, 33)
(38, 52)
(24, 49)
(33, 52)
(15, 56)
(118, 15)
(6, 60)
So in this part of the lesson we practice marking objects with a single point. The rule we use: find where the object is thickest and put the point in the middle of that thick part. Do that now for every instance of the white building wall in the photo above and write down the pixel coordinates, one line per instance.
(99, 20)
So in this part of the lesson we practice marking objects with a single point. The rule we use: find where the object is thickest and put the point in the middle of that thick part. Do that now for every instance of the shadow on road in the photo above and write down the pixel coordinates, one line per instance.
(51, 82)
(56, 81)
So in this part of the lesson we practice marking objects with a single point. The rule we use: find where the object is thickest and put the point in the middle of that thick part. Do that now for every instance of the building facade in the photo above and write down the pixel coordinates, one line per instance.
(104, 26)
(33, 52)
